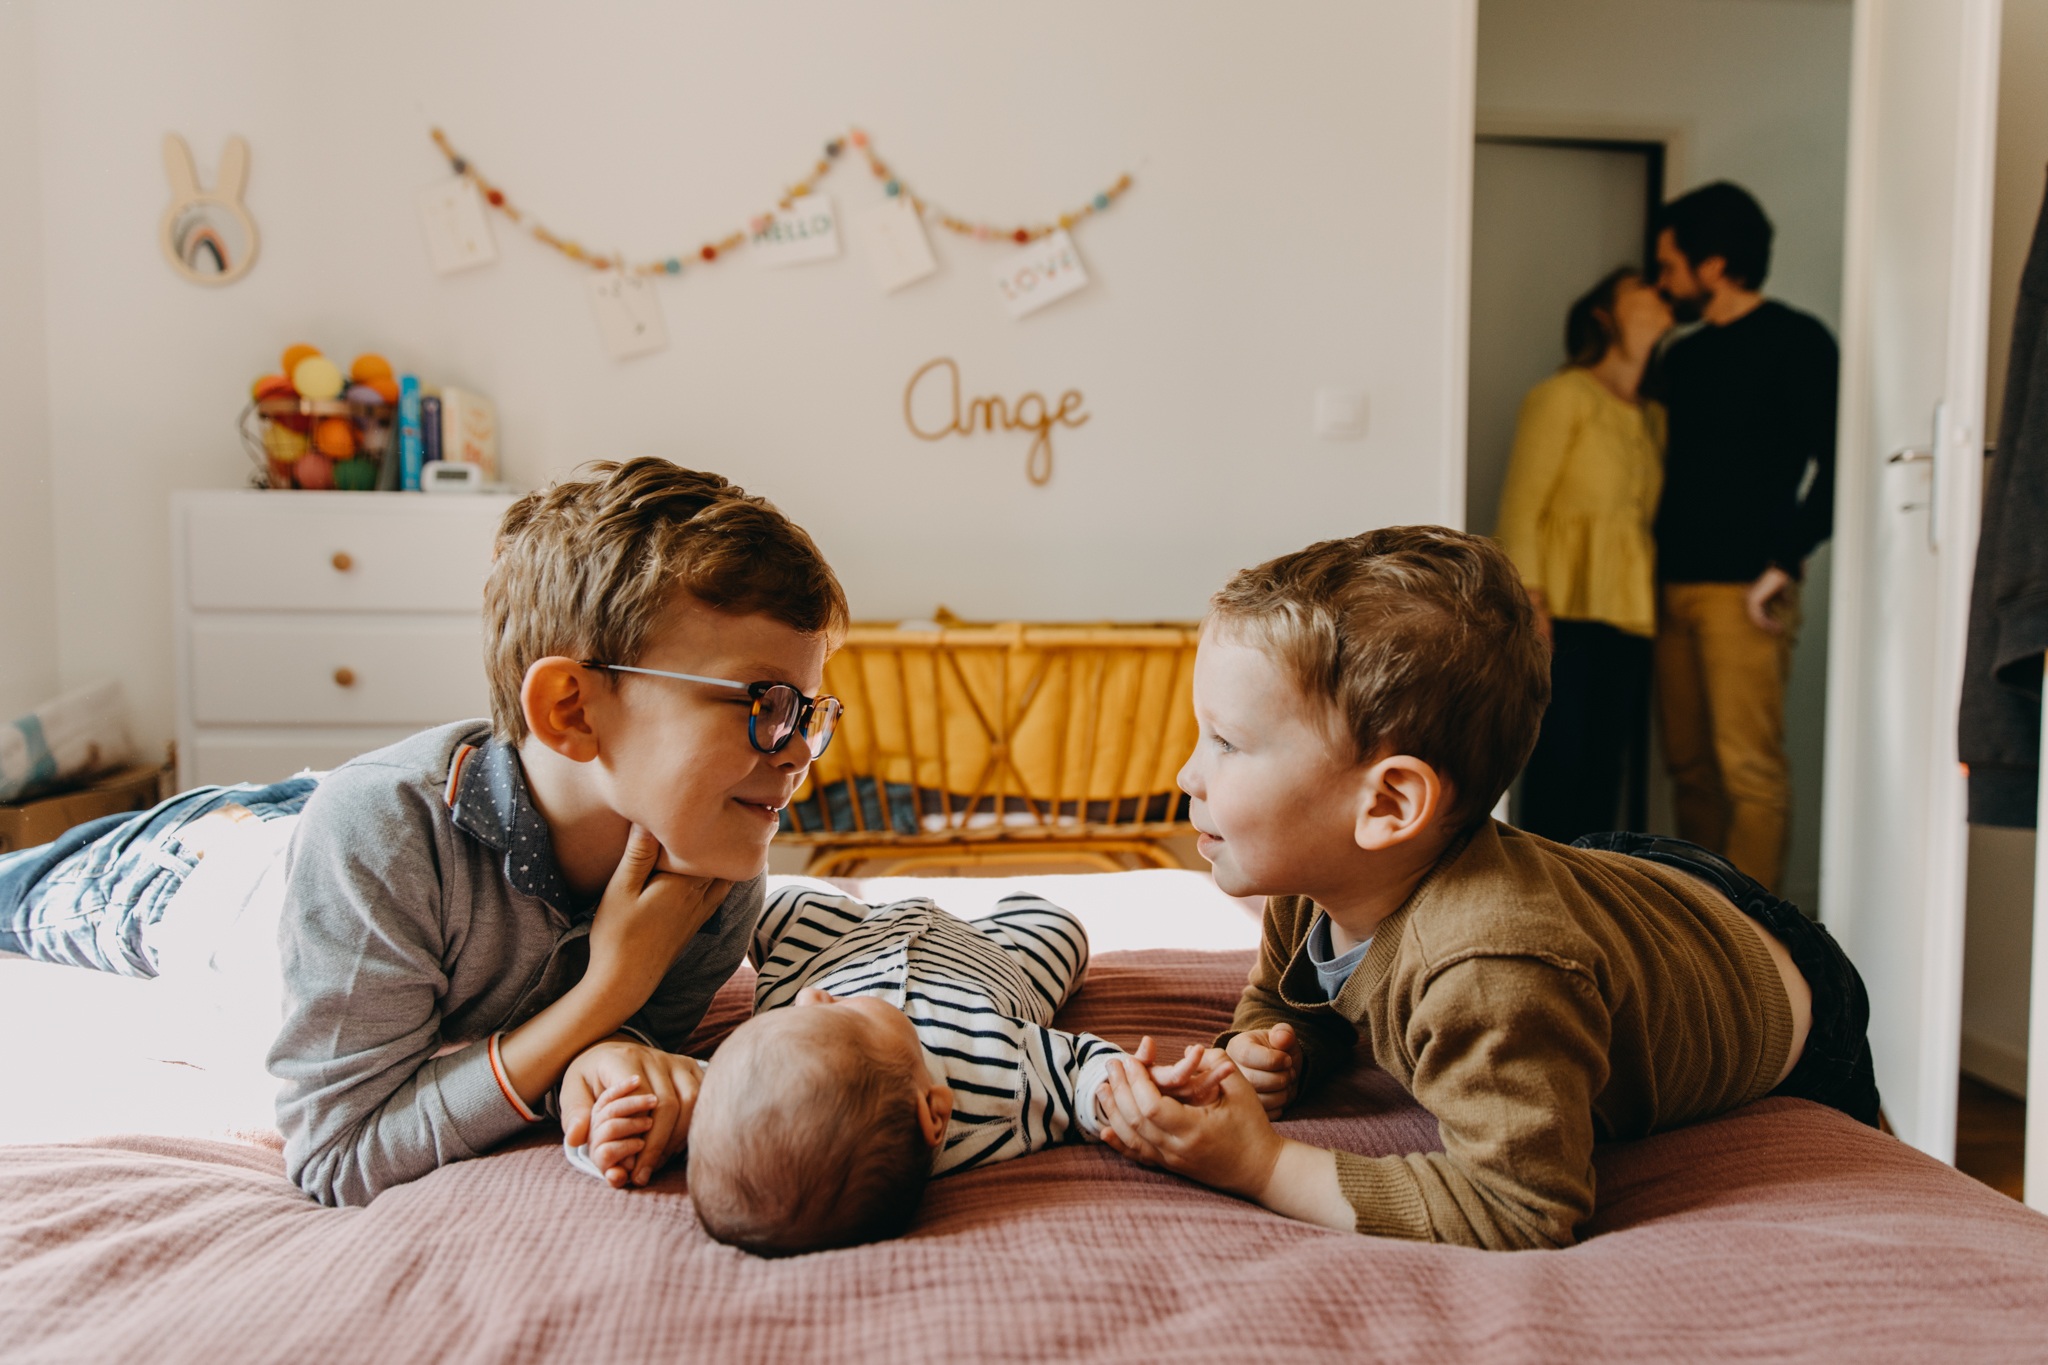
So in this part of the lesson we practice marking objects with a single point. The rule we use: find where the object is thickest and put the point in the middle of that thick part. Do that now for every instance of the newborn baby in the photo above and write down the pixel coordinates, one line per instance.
(919, 1044)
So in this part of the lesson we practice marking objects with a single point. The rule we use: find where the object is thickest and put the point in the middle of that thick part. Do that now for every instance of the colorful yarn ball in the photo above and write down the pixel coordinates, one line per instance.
(356, 476)
(282, 443)
(334, 438)
(293, 355)
(318, 378)
(314, 471)
(368, 366)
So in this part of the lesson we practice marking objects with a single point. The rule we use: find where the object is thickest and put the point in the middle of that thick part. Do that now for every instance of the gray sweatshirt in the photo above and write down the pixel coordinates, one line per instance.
(424, 911)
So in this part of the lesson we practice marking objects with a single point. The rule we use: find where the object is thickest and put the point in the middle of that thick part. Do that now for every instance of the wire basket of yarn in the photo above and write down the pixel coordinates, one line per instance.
(316, 429)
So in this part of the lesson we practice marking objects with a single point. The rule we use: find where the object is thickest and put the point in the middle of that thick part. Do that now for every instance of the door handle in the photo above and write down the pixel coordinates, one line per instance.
(1929, 454)
(1913, 455)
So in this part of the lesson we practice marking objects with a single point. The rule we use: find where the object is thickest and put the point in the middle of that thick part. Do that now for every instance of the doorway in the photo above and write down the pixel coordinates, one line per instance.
(1550, 216)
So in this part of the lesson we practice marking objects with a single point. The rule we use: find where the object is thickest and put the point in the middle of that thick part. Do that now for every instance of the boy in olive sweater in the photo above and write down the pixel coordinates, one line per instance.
(1362, 704)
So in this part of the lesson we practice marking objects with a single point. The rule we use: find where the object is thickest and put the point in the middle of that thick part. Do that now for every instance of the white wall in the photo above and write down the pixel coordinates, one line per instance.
(1297, 221)
(1759, 91)
(2001, 889)
(28, 600)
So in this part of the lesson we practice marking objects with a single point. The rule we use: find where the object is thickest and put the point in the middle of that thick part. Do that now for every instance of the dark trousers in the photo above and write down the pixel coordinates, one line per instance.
(1593, 739)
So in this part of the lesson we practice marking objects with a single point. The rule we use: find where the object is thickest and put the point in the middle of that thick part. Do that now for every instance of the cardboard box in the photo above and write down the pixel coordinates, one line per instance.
(28, 823)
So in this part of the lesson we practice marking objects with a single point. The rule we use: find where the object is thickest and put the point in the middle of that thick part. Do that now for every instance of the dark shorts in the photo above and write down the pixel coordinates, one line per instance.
(1835, 1069)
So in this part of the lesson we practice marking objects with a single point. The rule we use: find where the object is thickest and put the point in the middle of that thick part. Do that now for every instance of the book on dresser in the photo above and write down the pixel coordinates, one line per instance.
(312, 627)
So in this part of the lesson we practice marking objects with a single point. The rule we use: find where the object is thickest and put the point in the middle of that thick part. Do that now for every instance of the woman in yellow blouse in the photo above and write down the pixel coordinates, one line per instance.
(1575, 517)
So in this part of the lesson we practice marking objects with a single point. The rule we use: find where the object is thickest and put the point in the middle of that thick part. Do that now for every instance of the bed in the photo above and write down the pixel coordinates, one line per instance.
(162, 1228)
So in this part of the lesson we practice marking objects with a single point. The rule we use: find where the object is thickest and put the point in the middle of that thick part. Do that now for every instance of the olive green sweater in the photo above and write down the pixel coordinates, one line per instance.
(1536, 999)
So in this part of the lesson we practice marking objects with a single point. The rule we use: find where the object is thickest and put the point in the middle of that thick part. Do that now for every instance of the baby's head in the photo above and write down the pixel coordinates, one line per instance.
(1360, 696)
(815, 1127)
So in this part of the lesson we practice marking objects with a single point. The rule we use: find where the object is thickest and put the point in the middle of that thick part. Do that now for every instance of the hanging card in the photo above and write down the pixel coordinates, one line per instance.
(808, 230)
(1047, 270)
(628, 313)
(458, 231)
(893, 242)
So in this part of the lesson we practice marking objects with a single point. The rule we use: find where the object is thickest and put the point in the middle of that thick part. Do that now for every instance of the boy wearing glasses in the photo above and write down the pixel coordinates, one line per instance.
(494, 917)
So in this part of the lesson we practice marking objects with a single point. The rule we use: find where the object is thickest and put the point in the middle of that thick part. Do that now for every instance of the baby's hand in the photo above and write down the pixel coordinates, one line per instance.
(1270, 1058)
(1197, 1078)
(617, 1129)
(631, 1104)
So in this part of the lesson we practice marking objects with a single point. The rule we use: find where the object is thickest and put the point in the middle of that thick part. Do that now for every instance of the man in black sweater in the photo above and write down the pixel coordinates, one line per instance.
(1749, 488)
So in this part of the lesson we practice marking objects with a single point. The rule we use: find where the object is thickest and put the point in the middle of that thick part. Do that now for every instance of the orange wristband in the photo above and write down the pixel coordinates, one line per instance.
(523, 1109)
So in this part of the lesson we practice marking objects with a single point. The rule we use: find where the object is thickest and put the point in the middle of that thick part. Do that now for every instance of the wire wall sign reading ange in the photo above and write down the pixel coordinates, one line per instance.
(934, 392)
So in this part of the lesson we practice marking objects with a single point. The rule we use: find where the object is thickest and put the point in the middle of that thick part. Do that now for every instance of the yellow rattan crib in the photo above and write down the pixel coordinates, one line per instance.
(971, 743)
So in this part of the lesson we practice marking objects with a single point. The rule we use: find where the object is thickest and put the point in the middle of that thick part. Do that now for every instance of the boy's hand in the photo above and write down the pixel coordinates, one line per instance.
(1270, 1059)
(1229, 1143)
(631, 1104)
(644, 921)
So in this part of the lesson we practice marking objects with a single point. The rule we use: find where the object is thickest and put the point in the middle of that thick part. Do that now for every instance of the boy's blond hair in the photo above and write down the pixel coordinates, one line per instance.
(586, 569)
(1422, 640)
(806, 1137)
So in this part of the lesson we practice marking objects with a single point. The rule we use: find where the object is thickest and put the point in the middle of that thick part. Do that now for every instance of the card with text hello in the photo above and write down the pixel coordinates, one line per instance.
(1043, 272)
(628, 313)
(808, 230)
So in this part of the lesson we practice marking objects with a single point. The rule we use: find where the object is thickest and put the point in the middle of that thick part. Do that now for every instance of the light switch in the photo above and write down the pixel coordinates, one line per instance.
(1340, 414)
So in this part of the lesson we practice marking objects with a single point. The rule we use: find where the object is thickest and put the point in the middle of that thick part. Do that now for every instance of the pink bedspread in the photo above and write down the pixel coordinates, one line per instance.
(1784, 1231)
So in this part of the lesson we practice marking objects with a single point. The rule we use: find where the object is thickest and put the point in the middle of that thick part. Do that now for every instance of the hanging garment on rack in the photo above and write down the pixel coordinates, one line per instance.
(1999, 731)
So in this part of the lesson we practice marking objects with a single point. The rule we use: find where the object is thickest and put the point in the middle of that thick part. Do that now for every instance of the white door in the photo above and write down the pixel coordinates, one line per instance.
(1915, 270)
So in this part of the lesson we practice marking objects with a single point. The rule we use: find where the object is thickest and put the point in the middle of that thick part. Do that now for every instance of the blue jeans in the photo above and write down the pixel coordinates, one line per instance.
(1836, 1069)
(91, 897)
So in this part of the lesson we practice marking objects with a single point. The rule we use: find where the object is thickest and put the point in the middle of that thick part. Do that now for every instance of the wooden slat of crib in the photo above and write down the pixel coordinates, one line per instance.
(858, 658)
(1032, 686)
(1059, 760)
(1094, 730)
(1174, 662)
(939, 710)
(1126, 737)
(952, 658)
(909, 742)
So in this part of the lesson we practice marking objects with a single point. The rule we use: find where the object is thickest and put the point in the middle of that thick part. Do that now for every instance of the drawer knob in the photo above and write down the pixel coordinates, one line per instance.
(342, 562)
(344, 677)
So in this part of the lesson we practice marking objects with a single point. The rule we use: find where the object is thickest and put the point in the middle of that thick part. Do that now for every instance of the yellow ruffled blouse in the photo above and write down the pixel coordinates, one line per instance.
(1581, 492)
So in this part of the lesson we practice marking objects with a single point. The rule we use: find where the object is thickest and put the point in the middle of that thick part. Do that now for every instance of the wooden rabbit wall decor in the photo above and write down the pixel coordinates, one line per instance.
(207, 235)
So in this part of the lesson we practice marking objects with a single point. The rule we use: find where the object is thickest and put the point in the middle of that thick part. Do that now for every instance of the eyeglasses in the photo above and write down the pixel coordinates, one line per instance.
(781, 713)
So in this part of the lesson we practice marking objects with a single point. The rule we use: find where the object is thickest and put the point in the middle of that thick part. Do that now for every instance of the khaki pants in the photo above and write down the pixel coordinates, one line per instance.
(1721, 701)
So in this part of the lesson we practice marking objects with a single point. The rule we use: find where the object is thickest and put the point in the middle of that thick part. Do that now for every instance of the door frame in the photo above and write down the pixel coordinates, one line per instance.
(1958, 471)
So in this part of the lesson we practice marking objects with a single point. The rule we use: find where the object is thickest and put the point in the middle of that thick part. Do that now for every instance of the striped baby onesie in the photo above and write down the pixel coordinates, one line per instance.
(982, 996)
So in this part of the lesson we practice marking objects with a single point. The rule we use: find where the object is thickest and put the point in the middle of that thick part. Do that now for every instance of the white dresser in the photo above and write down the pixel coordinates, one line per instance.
(312, 627)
